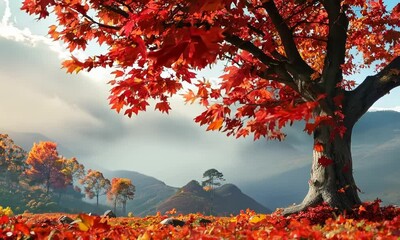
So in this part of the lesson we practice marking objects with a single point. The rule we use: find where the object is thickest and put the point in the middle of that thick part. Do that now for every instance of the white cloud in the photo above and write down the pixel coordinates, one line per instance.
(374, 109)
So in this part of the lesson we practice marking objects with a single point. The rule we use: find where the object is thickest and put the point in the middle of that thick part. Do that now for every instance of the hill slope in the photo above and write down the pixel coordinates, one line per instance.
(225, 200)
(149, 192)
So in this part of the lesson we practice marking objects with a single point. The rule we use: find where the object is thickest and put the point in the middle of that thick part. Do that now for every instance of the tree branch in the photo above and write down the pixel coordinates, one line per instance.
(251, 48)
(336, 48)
(95, 22)
(373, 88)
(117, 10)
(286, 36)
(275, 66)
(101, 24)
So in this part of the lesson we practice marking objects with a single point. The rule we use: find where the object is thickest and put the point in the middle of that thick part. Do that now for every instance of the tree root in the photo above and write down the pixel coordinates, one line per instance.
(314, 198)
(294, 209)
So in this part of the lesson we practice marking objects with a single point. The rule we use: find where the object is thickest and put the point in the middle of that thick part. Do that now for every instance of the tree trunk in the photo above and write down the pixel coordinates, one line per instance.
(124, 208)
(331, 172)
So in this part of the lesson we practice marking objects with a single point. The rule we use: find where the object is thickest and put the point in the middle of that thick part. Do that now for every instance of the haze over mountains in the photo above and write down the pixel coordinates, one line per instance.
(376, 154)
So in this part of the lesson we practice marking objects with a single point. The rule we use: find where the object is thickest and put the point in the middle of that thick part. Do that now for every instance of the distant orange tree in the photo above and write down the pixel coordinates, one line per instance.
(121, 190)
(95, 184)
(45, 166)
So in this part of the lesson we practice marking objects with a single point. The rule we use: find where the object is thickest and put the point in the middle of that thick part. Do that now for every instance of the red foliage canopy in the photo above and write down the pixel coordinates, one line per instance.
(283, 58)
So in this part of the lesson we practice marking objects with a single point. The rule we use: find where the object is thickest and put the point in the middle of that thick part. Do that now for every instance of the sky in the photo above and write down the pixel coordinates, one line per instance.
(37, 96)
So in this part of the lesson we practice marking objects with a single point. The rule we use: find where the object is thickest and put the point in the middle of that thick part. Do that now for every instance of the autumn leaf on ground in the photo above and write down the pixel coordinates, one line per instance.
(84, 222)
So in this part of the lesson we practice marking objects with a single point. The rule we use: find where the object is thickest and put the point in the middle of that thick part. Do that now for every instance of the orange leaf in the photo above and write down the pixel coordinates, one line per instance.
(216, 125)
(315, 76)
(190, 97)
(361, 209)
(318, 147)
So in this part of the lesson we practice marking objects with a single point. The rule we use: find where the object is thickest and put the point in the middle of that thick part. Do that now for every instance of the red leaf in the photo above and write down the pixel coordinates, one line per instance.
(216, 124)
(4, 219)
(163, 107)
(167, 55)
(22, 228)
(324, 161)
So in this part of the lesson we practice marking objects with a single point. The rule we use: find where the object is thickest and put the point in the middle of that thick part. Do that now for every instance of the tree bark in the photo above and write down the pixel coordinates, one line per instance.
(331, 182)
(124, 207)
(334, 183)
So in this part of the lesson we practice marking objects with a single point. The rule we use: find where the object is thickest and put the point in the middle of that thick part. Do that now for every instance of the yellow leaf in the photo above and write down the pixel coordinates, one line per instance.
(257, 218)
(84, 222)
(145, 236)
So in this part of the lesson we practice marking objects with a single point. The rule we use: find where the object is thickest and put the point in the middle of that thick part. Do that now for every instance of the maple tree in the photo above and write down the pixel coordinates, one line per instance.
(45, 166)
(120, 192)
(95, 185)
(284, 61)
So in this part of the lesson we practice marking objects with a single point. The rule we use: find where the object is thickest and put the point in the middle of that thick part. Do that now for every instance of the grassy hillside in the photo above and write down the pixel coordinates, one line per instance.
(34, 201)
(223, 201)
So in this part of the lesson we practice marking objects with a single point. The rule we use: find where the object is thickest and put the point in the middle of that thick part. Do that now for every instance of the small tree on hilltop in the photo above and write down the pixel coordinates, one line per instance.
(285, 61)
(121, 190)
(213, 178)
(95, 185)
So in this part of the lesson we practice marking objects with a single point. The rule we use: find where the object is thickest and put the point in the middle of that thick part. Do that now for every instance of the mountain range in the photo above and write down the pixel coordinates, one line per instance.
(376, 138)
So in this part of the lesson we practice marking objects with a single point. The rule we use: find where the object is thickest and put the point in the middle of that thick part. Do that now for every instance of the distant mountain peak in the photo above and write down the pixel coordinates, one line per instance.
(227, 199)
(192, 186)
